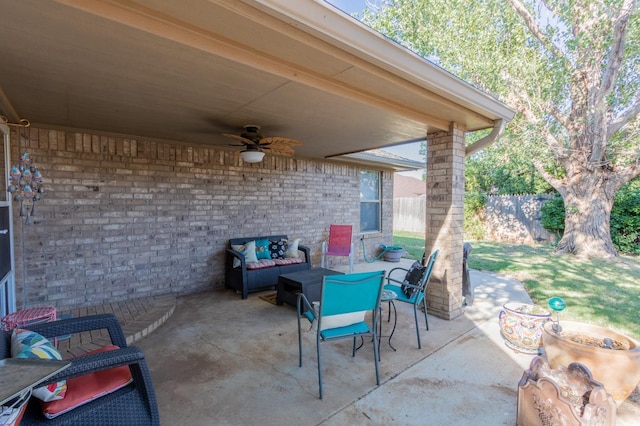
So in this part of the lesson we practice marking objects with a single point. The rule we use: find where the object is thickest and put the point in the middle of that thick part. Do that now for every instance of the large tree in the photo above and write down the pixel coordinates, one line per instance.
(571, 68)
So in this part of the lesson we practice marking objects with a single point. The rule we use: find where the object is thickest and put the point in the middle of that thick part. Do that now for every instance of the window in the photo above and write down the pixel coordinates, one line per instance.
(370, 201)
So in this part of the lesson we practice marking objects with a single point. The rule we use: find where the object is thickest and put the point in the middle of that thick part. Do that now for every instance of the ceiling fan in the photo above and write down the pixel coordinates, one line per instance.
(255, 144)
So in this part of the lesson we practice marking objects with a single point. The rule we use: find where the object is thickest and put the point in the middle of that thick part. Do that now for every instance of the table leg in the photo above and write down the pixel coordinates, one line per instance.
(395, 322)
(379, 330)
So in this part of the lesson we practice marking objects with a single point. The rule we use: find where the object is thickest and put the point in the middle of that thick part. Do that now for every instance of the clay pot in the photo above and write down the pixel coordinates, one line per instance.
(521, 329)
(617, 369)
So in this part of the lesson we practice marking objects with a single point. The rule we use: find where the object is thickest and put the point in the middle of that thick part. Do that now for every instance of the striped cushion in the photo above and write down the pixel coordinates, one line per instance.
(288, 261)
(263, 263)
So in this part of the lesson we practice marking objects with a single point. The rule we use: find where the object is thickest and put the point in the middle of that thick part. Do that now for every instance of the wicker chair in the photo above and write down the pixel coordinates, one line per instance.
(134, 404)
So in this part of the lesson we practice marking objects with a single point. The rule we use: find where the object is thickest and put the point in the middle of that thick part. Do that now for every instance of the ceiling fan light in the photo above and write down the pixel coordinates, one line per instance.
(252, 156)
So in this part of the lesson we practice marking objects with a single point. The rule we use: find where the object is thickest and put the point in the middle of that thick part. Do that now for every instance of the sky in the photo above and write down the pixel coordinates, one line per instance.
(349, 6)
(410, 151)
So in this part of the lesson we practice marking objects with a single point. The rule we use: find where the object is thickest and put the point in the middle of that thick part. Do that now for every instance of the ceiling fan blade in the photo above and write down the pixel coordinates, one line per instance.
(280, 150)
(277, 140)
(237, 138)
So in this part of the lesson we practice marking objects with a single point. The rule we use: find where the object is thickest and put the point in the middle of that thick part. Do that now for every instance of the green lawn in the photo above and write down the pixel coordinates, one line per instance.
(411, 243)
(598, 292)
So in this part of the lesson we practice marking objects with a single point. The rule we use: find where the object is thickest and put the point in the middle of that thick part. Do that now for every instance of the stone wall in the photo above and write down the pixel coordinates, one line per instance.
(125, 217)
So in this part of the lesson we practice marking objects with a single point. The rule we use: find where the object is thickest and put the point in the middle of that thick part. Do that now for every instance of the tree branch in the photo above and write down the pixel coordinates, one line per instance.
(562, 118)
(533, 26)
(558, 184)
(616, 52)
(622, 119)
(556, 147)
(625, 174)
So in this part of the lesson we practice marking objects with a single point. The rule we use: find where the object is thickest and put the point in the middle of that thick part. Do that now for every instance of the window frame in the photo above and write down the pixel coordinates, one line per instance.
(377, 201)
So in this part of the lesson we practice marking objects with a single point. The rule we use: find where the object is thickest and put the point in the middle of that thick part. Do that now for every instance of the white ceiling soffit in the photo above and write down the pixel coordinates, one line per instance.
(190, 70)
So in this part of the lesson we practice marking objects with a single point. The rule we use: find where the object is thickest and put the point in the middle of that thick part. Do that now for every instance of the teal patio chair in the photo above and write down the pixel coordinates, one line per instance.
(344, 302)
(411, 288)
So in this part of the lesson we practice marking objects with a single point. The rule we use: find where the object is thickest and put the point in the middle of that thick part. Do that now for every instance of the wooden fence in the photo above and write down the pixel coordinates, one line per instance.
(509, 218)
(409, 214)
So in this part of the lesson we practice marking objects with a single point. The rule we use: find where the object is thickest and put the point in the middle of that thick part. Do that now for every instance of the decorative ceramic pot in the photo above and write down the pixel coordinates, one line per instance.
(617, 368)
(521, 326)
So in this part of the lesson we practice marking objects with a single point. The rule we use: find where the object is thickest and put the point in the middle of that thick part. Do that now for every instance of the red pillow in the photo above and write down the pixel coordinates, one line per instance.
(83, 389)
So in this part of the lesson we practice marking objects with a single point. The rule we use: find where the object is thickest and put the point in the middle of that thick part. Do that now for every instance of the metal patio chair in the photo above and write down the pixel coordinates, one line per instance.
(344, 301)
(411, 288)
(339, 244)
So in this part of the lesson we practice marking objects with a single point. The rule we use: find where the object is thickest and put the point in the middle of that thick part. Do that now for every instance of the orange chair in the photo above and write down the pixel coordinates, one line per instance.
(340, 244)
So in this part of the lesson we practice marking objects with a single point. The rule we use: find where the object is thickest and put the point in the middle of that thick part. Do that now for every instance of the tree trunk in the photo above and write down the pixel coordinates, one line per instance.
(588, 203)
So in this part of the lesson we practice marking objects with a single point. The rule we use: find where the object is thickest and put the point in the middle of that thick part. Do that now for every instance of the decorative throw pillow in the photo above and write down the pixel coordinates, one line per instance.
(29, 344)
(278, 249)
(86, 388)
(262, 249)
(248, 250)
(292, 248)
(414, 277)
(342, 320)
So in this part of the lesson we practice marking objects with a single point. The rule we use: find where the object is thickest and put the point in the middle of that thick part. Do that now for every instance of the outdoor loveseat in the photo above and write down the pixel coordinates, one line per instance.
(251, 267)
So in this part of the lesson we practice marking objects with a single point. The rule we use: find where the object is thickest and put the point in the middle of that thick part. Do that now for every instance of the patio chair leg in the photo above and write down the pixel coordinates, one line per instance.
(376, 356)
(415, 316)
(299, 344)
(424, 304)
(319, 371)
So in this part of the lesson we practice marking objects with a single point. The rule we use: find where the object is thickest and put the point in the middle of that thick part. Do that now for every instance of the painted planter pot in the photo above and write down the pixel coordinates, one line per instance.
(617, 369)
(521, 326)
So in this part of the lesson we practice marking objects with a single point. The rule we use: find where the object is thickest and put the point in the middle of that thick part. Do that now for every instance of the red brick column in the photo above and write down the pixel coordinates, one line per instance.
(444, 220)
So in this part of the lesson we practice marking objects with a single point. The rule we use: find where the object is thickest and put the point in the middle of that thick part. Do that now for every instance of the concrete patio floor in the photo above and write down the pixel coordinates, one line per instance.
(221, 360)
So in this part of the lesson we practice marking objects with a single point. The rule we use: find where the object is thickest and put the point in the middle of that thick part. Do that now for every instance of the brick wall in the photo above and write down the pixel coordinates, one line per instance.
(125, 217)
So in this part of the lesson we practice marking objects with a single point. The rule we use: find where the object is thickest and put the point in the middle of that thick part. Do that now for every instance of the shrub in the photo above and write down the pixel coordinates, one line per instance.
(552, 215)
(625, 221)
(474, 205)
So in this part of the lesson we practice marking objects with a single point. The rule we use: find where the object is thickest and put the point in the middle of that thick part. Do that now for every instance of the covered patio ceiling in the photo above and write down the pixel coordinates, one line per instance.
(190, 70)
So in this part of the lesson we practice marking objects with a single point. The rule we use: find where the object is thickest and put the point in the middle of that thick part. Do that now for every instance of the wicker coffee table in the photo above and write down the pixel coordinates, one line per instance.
(308, 282)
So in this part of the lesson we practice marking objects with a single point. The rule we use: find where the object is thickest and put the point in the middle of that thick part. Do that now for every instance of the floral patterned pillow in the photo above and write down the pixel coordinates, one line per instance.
(29, 344)
(278, 249)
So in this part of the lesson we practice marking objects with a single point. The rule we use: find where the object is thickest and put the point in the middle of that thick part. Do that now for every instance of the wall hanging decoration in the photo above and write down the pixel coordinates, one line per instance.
(25, 180)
